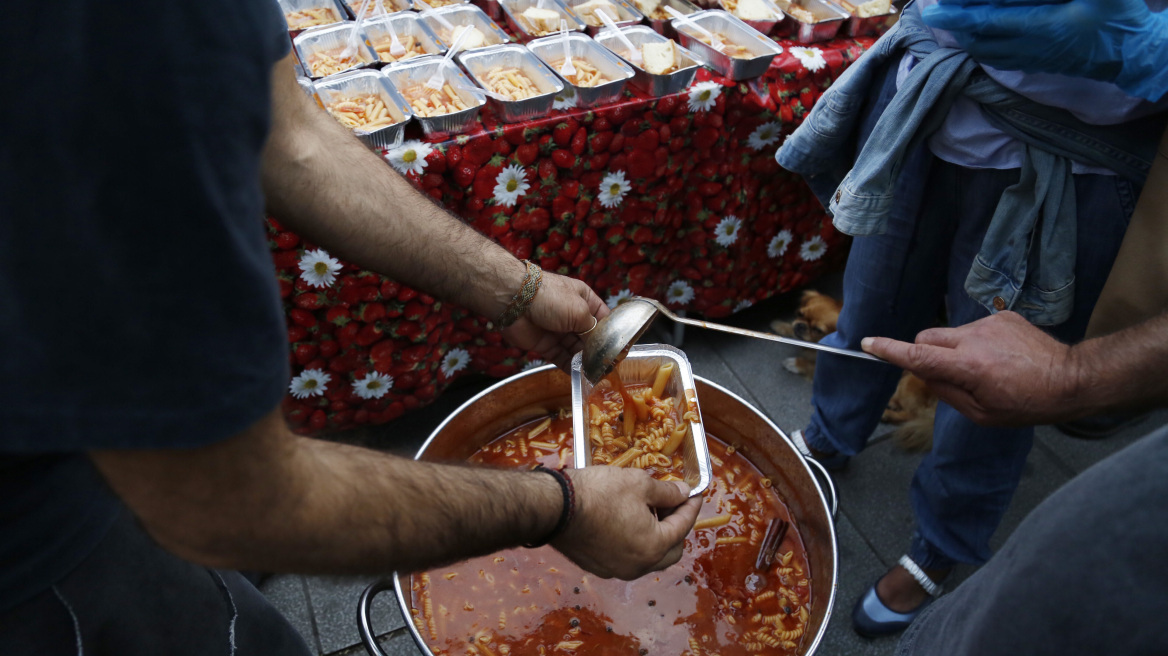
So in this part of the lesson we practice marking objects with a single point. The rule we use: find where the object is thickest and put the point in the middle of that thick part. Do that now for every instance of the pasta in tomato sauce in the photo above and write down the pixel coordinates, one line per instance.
(713, 602)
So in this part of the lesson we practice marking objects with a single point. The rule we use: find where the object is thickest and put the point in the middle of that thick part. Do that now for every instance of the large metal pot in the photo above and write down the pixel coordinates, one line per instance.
(727, 416)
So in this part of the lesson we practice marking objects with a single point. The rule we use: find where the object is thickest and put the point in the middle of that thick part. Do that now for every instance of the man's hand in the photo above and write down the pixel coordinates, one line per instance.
(563, 309)
(998, 371)
(615, 532)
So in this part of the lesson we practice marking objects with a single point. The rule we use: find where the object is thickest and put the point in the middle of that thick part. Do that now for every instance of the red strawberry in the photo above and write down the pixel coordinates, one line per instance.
(310, 301)
(527, 154)
(285, 288)
(647, 140)
(570, 189)
(641, 164)
(555, 240)
(286, 259)
(580, 141)
(436, 162)
(370, 312)
(407, 294)
(479, 150)
(286, 240)
(302, 317)
(705, 138)
(431, 181)
(369, 334)
(618, 143)
(563, 132)
(547, 169)
(787, 115)
(464, 175)
(329, 348)
(600, 141)
(562, 208)
(318, 420)
(564, 159)
(305, 353)
(297, 333)
(453, 156)
(337, 315)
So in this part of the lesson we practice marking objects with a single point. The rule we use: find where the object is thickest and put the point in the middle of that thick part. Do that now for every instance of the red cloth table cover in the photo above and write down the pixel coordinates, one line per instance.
(678, 198)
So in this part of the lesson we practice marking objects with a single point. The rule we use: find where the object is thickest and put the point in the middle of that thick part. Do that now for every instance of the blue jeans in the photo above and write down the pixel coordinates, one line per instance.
(894, 285)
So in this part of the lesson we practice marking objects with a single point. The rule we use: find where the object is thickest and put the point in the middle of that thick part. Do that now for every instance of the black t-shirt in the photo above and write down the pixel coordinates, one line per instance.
(138, 305)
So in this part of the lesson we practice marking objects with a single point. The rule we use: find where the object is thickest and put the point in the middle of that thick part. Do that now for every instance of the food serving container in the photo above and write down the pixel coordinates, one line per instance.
(289, 6)
(308, 88)
(550, 49)
(654, 85)
(363, 83)
(664, 26)
(418, 70)
(870, 26)
(513, 8)
(405, 23)
(391, 6)
(764, 26)
(627, 14)
(479, 62)
(638, 368)
(762, 48)
(459, 15)
(828, 20)
(509, 403)
(331, 38)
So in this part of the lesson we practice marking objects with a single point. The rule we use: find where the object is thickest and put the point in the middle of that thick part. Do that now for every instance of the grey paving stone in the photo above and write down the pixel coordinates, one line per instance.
(859, 566)
(1079, 454)
(287, 593)
(334, 605)
(874, 496)
(397, 643)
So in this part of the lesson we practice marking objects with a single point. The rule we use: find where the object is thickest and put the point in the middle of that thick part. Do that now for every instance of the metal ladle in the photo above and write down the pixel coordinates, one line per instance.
(608, 343)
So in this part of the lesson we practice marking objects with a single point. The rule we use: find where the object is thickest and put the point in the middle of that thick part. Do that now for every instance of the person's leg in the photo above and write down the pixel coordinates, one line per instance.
(963, 486)
(132, 598)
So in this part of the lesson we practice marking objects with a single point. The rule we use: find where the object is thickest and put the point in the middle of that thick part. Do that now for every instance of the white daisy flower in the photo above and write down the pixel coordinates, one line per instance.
(813, 249)
(615, 299)
(566, 99)
(310, 382)
(679, 293)
(410, 157)
(533, 364)
(318, 269)
(779, 244)
(763, 136)
(703, 95)
(454, 361)
(510, 185)
(613, 188)
(373, 386)
(811, 58)
(726, 233)
(742, 305)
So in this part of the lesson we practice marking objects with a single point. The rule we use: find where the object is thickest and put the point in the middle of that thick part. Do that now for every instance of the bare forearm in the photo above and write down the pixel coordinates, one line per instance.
(1126, 369)
(278, 502)
(331, 189)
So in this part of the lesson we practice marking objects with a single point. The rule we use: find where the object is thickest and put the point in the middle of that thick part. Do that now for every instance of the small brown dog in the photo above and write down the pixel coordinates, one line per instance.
(912, 407)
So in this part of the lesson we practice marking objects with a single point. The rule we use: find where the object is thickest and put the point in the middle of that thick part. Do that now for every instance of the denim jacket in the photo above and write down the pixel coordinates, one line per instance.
(1027, 259)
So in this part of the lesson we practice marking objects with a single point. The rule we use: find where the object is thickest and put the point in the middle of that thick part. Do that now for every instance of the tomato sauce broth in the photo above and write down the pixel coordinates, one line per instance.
(535, 601)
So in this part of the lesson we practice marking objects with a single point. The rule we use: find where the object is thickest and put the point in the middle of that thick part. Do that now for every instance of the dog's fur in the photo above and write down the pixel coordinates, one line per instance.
(912, 407)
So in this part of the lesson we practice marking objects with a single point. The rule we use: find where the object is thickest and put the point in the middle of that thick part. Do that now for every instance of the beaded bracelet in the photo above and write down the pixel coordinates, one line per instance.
(569, 509)
(523, 298)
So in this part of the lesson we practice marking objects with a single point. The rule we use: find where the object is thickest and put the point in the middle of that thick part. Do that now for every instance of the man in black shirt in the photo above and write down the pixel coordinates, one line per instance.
(144, 350)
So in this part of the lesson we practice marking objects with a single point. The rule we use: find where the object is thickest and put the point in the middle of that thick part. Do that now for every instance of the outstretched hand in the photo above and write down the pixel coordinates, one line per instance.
(562, 311)
(615, 532)
(998, 371)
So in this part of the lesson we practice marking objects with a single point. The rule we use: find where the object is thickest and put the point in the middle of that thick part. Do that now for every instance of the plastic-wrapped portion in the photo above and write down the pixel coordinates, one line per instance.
(337, 94)
(550, 51)
(513, 11)
(304, 14)
(321, 48)
(757, 8)
(409, 78)
(675, 81)
(658, 19)
(757, 49)
(480, 63)
(460, 16)
(391, 6)
(812, 21)
(412, 33)
(640, 367)
(626, 13)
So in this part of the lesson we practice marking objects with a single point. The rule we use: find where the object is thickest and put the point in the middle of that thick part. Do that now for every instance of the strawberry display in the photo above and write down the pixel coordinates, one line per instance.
(667, 197)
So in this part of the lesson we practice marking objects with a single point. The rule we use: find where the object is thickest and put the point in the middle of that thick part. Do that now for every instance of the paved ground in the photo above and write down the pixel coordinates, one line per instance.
(873, 526)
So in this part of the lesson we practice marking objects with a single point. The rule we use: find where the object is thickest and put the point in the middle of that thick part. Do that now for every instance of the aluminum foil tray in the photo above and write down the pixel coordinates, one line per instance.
(513, 8)
(405, 23)
(654, 85)
(870, 26)
(550, 50)
(761, 47)
(764, 26)
(663, 26)
(459, 15)
(640, 367)
(289, 6)
(391, 6)
(628, 14)
(414, 71)
(361, 83)
(479, 62)
(828, 21)
(332, 37)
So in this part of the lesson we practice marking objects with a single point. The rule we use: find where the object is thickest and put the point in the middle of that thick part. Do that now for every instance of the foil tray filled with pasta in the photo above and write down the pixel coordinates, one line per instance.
(645, 414)
(448, 23)
(366, 103)
(655, 81)
(413, 35)
(371, 10)
(326, 51)
(600, 75)
(446, 111)
(517, 83)
(746, 53)
(304, 14)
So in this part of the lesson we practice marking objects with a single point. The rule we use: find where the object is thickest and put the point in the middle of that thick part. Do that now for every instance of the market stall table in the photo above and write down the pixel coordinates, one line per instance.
(678, 198)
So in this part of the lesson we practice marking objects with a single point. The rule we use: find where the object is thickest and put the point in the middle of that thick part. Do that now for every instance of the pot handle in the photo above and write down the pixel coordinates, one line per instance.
(364, 621)
(829, 488)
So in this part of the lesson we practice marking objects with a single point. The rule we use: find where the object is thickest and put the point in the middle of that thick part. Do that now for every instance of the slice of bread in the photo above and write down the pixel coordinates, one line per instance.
(648, 7)
(755, 10)
(542, 20)
(659, 58)
(474, 37)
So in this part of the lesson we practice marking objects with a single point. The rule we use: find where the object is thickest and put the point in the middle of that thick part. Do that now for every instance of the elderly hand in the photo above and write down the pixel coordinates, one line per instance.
(563, 309)
(615, 532)
(998, 371)
(1118, 41)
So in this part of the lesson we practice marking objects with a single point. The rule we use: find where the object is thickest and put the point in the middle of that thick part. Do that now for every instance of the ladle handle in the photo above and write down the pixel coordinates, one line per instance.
(826, 484)
(760, 335)
(365, 619)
